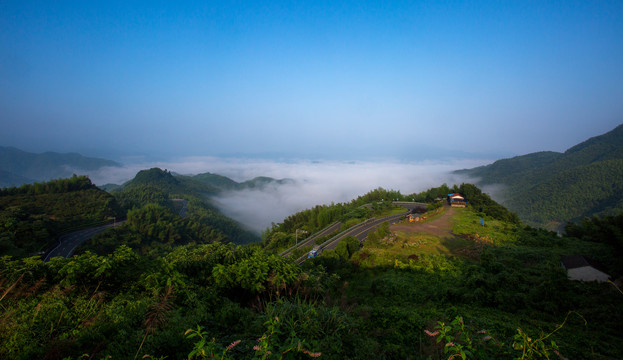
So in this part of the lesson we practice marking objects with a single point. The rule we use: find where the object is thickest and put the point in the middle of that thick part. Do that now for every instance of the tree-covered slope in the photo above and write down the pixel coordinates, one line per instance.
(549, 189)
(569, 195)
(160, 187)
(21, 165)
(224, 183)
(32, 216)
(218, 181)
(508, 170)
(166, 181)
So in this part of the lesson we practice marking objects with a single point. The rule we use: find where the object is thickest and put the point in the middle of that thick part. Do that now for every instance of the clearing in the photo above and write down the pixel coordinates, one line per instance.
(431, 237)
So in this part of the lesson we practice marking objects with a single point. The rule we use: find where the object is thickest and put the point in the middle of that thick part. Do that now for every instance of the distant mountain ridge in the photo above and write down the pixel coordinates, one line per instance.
(550, 188)
(224, 183)
(19, 167)
(206, 183)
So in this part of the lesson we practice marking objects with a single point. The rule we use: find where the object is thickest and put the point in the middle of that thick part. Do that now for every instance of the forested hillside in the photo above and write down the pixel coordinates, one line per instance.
(224, 183)
(550, 189)
(151, 195)
(32, 216)
(457, 290)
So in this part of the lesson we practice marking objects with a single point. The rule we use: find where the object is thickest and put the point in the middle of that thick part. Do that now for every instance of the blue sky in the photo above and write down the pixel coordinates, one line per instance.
(309, 79)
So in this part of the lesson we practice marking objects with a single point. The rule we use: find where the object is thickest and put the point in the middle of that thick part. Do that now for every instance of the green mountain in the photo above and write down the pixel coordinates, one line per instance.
(162, 179)
(218, 181)
(161, 187)
(263, 181)
(224, 183)
(550, 188)
(19, 167)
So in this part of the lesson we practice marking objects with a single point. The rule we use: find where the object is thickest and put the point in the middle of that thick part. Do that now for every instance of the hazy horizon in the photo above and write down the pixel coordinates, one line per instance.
(315, 182)
(348, 80)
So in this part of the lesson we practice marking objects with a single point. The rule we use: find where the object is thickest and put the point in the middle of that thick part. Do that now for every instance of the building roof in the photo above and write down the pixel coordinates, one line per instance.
(578, 261)
(456, 195)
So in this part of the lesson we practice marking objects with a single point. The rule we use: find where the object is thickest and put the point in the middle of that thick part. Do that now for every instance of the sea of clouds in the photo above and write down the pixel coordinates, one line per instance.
(315, 182)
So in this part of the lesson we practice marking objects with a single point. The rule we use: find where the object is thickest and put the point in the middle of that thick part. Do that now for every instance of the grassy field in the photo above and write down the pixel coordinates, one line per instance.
(432, 236)
(466, 222)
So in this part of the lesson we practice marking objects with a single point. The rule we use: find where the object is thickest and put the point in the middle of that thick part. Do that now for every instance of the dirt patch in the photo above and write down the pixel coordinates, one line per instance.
(440, 226)
(468, 246)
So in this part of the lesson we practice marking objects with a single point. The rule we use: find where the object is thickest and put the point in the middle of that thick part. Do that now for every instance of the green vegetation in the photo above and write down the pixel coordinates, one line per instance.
(166, 182)
(375, 203)
(224, 183)
(166, 286)
(32, 216)
(606, 230)
(123, 303)
(159, 187)
(549, 189)
(154, 230)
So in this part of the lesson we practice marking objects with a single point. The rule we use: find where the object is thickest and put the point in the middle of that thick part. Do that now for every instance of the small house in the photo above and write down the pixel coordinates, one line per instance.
(582, 268)
(456, 200)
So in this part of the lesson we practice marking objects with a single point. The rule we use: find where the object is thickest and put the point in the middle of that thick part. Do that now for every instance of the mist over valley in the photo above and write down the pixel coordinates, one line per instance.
(309, 183)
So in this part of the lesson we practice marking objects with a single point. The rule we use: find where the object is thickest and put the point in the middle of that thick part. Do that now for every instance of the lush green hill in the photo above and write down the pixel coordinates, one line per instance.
(218, 181)
(224, 183)
(17, 167)
(32, 216)
(550, 189)
(167, 182)
(508, 170)
(159, 187)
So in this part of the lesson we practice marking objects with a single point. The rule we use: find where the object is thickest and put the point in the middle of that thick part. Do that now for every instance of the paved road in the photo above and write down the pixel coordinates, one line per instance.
(359, 231)
(69, 242)
(311, 240)
(183, 211)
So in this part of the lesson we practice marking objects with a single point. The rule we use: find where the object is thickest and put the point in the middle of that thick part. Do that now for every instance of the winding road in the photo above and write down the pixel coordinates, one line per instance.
(69, 242)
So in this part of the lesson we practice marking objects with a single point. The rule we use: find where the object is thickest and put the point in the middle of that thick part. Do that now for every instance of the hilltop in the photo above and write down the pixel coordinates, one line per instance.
(550, 189)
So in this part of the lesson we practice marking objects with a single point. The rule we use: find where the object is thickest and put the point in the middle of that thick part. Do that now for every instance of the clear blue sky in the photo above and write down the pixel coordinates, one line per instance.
(308, 78)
